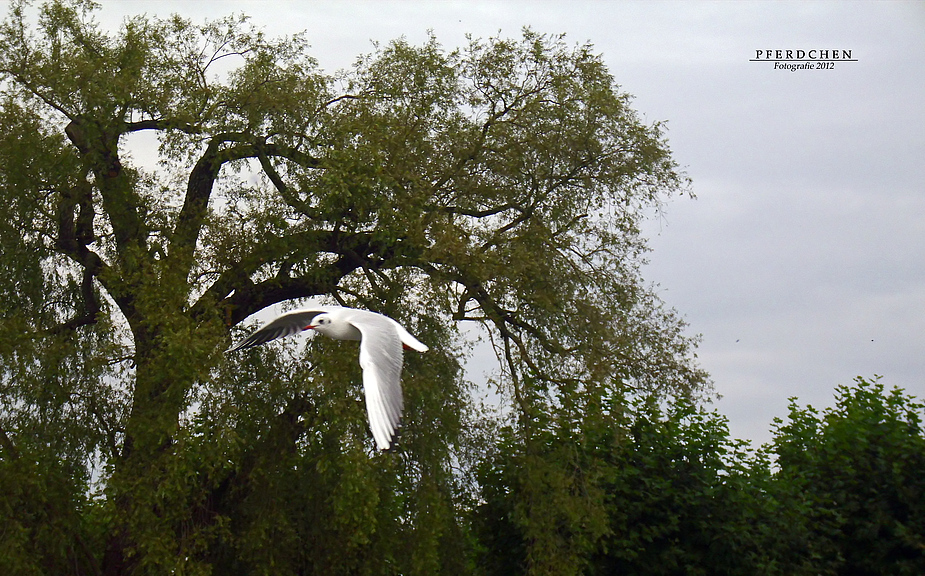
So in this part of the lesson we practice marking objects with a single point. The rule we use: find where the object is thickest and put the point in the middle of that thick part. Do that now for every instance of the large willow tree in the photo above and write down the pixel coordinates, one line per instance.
(501, 184)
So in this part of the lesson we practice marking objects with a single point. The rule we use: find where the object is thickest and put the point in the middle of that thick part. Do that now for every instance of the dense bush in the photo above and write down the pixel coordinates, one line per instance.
(842, 492)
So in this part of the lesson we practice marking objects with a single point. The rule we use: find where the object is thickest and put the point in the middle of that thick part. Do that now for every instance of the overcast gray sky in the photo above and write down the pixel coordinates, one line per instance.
(802, 260)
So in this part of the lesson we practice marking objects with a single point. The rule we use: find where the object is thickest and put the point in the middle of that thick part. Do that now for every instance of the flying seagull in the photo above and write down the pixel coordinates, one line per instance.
(381, 340)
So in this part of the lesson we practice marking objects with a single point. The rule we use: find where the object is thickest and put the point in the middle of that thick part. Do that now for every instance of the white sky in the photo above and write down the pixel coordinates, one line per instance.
(802, 261)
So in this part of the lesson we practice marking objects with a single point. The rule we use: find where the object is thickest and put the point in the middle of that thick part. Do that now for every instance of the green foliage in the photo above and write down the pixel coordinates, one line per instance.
(47, 526)
(839, 493)
(676, 495)
(652, 493)
(854, 475)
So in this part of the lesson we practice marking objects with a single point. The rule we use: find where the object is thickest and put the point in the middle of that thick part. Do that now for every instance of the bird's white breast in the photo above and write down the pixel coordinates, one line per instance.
(341, 330)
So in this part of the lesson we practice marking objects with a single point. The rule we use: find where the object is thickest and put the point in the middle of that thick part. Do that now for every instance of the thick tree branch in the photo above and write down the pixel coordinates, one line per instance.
(74, 234)
(202, 180)
(99, 149)
(302, 246)
(161, 124)
(195, 205)
(255, 297)
(238, 296)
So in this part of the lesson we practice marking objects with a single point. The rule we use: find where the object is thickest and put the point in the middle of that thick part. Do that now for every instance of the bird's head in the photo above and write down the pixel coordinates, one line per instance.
(320, 323)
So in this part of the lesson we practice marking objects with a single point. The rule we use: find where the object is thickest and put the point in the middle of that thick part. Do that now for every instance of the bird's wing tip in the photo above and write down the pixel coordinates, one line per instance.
(236, 346)
(393, 442)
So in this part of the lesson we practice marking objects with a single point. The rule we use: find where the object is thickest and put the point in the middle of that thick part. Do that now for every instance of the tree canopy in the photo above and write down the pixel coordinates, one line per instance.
(502, 184)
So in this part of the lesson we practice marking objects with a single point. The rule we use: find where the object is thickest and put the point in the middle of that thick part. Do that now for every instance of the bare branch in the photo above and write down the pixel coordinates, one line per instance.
(475, 213)
(287, 194)
(162, 124)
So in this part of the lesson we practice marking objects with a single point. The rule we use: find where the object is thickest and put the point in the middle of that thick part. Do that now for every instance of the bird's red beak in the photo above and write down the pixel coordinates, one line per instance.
(309, 327)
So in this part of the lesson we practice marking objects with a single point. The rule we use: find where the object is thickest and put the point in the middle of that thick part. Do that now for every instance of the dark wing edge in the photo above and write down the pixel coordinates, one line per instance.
(284, 325)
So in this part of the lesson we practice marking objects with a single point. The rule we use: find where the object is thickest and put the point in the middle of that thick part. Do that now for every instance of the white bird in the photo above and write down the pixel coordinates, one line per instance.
(381, 340)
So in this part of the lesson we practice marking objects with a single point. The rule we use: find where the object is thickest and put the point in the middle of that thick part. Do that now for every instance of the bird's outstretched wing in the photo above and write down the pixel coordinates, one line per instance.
(381, 360)
(285, 325)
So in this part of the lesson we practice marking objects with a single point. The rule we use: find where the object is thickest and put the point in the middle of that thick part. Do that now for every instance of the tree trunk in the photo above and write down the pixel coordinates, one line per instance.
(139, 487)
